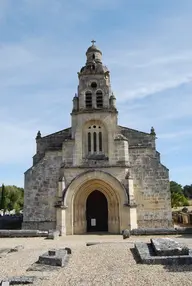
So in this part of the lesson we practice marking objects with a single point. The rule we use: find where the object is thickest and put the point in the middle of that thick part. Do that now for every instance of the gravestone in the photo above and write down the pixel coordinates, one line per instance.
(18, 280)
(126, 233)
(53, 234)
(55, 257)
(168, 247)
(163, 251)
(5, 283)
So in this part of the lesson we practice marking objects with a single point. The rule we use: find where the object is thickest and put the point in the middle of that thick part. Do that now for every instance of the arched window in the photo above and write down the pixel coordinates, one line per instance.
(89, 142)
(88, 99)
(100, 141)
(95, 142)
(99, 99)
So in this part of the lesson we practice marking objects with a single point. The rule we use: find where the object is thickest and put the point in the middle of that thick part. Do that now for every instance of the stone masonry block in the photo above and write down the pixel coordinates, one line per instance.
(168, 247)
(54, 257)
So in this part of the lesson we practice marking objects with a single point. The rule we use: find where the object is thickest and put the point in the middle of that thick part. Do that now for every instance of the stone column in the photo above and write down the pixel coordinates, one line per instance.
(61, 187)
(60, 211)
(60, 223)
(132, 204)
(94, 104)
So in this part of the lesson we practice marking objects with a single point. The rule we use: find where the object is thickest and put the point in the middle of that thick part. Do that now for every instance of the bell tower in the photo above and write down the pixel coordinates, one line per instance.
(94, 89)
(94, 113)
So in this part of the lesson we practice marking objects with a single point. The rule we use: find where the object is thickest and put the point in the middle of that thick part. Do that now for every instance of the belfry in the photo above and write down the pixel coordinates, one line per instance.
(96, 175)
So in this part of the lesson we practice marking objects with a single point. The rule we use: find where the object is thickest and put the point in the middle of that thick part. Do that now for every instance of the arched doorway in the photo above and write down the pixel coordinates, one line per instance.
(74, 216)
(97, 212)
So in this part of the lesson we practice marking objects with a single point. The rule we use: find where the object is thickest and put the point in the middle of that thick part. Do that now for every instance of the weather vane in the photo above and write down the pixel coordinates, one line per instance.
(93, 42)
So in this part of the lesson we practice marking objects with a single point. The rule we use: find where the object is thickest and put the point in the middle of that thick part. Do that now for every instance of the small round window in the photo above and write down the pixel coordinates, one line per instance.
(94, 85)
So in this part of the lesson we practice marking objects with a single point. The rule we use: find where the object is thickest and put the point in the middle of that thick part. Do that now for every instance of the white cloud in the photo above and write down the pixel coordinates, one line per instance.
(150, 88)
(18, 140)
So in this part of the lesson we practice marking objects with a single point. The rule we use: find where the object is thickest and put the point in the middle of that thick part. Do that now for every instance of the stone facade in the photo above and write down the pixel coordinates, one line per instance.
(96, 154)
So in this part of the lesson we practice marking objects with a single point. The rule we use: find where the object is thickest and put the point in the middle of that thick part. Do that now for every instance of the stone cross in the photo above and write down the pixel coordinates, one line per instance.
(93, 42)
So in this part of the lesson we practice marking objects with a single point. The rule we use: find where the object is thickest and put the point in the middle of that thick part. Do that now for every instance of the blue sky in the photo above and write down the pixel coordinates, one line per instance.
(147, 46)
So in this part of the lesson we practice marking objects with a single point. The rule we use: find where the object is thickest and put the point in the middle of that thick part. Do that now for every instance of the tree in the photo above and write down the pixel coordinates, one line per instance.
(178, 198)
(2, 205)
(187, 190)
(13, 198)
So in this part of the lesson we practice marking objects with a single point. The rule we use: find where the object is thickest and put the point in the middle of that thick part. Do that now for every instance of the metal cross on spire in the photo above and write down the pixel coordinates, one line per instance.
(93, 42)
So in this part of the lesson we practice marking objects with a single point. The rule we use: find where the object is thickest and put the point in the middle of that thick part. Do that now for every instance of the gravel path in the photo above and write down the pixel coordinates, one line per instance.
(108, 263)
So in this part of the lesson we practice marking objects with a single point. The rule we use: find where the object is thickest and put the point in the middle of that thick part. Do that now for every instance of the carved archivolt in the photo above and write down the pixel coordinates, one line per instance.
(80, 189)
(80, 199)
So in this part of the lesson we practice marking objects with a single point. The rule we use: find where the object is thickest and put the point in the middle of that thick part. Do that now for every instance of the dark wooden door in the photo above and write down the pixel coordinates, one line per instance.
(97, 212)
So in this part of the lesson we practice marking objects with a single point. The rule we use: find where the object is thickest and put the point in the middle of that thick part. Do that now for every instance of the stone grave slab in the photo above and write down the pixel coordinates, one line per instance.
(5, 283)
(168, 247)
(18, 280)
(55, 257)
(147, 255)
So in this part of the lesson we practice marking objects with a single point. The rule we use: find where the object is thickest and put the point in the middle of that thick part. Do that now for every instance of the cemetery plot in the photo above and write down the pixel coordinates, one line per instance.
(163, 251)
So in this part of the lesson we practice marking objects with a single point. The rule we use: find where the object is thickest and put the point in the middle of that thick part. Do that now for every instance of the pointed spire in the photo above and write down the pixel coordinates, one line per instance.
(112, 95)
(153, 131)
(38, 135)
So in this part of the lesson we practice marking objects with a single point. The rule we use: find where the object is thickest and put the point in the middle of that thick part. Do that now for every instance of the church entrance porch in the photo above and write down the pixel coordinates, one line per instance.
(97, 212)
(95, 201)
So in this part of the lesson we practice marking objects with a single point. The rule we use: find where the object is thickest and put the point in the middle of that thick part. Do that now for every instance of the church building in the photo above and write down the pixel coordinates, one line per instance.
(96, 175)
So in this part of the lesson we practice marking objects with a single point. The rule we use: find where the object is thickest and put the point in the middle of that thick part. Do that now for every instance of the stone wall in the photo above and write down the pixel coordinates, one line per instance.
(129, 151)
(51, 142)
(137, 138)
(151, 187)
(40, 191)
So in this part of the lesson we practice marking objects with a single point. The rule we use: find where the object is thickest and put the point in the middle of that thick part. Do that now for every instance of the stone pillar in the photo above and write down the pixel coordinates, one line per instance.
(60, 211)
(94, 104)
(75, 103)
(133, 217)
(112, 101)
(132, 204)
(60, 221)
(61, 187)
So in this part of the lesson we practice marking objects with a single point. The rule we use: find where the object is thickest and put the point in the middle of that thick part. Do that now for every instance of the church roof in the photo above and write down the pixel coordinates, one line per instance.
(136, 138)
(65, 133)
(130, 130)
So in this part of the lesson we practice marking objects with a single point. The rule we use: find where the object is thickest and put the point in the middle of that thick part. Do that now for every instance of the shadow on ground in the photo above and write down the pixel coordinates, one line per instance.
(178, 268)
(135, 255)
(188, 236)
(98, 233)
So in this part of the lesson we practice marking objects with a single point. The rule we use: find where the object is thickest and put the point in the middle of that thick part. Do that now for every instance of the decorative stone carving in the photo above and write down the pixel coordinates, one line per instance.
(38, 135)
(153, 131)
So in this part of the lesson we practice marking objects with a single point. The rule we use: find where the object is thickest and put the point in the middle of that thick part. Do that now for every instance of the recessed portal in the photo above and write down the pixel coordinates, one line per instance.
(97, 212)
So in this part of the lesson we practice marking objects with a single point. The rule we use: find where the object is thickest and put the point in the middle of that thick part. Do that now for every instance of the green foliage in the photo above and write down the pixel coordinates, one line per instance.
(187, 190)
(178, 198)
(12, 197)
(2, 204)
